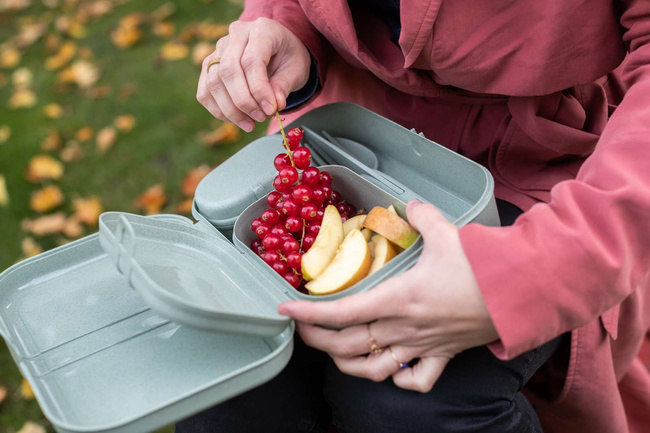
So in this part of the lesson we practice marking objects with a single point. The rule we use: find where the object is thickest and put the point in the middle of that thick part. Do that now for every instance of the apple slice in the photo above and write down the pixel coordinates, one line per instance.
(353, 223)
(350, 264)
(325, 245)
(392, 209)
(391, 226)
(384, 251)
(367, 233)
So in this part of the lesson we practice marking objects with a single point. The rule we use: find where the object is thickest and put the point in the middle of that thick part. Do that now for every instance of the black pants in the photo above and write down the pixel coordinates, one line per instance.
(476, 393)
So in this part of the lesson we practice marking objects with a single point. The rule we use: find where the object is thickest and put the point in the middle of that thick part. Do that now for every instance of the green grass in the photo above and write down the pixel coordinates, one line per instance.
(162, 148)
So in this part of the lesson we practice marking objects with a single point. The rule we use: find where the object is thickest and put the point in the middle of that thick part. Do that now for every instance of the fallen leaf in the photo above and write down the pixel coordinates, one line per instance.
(95, 9)
(131, 20)
(105, 139)
(163, 12)
(5, 133)
(87, 210)
(72, 152)
(53, 111)
(127, 32)
(164, 29)
(45, 225)
(201, 51)
(43, 167)
(173, 51)
(192, 179)
(211, 31)
(52, 43)
(81, 72)
(185, 207)
(124, 123)
(3, 394)
(52, 141)
(30, 249)
(77, 30)
(30, 32)
(31, 427)
(152, 200)
(9, 57)
(86, 53)
(188, 33)
(62, 57)
(85, 134)
(26, 390)
(14, 4)
(46, 199)
(22, 98)
(99, 92)
(4, 194)
(73, 228)
(22, 78)
(226, 133)
(127, 91)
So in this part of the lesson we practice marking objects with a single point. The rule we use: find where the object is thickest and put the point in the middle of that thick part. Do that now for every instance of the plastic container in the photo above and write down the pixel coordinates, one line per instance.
(102, 357)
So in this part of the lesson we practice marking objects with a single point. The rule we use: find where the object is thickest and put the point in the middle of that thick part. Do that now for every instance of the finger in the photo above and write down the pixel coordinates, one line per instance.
(255, 61)
(423, 375)
(203, 95)
(232, 74)
(376, 367)
(425, 218)
(386, 300)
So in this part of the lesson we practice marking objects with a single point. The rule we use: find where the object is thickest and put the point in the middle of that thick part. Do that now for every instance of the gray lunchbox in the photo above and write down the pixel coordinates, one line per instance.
(201, 325)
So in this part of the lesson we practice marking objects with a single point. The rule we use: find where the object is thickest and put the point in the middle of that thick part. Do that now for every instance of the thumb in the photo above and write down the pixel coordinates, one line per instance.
(425, 218)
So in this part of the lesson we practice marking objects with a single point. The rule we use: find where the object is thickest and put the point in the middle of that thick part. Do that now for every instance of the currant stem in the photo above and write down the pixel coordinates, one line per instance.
(285, 142)
(303, 234)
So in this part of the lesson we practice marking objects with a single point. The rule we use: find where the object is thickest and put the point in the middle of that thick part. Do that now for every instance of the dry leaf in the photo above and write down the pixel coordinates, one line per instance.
(131, 20)
(45, 225)
(128, 32)
(163, 12)
(30, 32)
(105, 139)
(87, 210)
(185, 207)
(226, 133)
(5, 133)
(9, 57)
(22, 78)
(86, 53)
(188, 33)
(82, 72)
(4, 194)
(191, 181)
(52, 141)
(77, 30)
(31, 427)
(173, 51)
(164, 29)
(52, 43)
(30, 249)
(43, 167)
(22, 98)
(152, 200)
(73, 228)
(72, 152)
(201, 51)
(63, 56)
(26, 390)
(85, 134)
(3, 394)
(53, 111)
(99, 92)
(46, 199)
(124, 123)
(127, 91)
(210, 31)
(96, 9)
(14, 4)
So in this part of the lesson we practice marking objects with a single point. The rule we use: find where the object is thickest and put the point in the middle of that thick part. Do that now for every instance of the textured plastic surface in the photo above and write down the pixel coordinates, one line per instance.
(99, 360)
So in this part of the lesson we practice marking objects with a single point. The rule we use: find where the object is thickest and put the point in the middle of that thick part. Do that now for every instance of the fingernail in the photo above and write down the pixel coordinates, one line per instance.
(413, 203)
(258, 115)
(246, 125)
(267, 107)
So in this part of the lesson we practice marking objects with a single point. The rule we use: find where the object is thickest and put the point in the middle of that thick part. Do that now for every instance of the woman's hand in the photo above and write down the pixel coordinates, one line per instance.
(431, 312)
(261, 63)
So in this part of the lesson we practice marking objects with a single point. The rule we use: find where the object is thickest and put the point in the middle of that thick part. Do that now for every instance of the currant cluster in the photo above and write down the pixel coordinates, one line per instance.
(288, 228)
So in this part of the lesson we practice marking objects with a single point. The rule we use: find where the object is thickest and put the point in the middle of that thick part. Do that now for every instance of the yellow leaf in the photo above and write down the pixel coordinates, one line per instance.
(85, 134)
(53, 111)
(99, 92)
(163, 12)
(31, 427)
(86, 53)
(201, 51)
(5, 133)
(124, 123)
(30, 31)
(82, 72)
(185, 207)
(210, 31)
(124, 37)
(22, 98)
(52, 43)
(164, 29)
(30, 249)
(15, 4)
(105, 139)
(26, 390)
(87, 210)
(77, 30)
(43, 167)
(45, 225)
(152, 200)
(4, 194)
(226, 133)
(191, 181)
(46, 199)
(173, 51)
(52, 141)
(9, 57)
(72, 151)
(22, 78)
(63, 56)
(73, 228)
(131, 20)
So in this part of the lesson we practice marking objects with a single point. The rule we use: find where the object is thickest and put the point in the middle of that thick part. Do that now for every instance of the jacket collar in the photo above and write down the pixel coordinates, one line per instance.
(417, 18)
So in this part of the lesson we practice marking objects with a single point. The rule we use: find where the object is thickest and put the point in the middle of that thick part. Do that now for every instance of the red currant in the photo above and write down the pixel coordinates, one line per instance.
(352, 210)
(271, 257)
(318, 195)
(262, 230)
(302, 194)
(294, 135)
(279, 185)
(325, 178)
(281, 161)
(257, 247)
(314, 228)
(307, 242)
(271, 242)
(279, 229)
(320, 215)
(280, 267)
(293, 260)
(292, 279)
(290, 208)
(290, 245)
(336, 196)
(343, 208)
(270, 216)
(293, 224)
(327, 190)
(288, 175)
(302, 157)
(273, 198)
(286, 196)
(309, 212)
(311, 176)
(344, 218)
(256, 223)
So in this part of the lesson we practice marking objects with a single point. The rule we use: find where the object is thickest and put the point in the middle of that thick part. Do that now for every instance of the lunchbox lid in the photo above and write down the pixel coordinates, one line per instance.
(194, 277)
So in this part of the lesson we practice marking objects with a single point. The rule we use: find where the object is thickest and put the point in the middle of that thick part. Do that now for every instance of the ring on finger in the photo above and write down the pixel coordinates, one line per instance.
(400, 364)
(214, 61)
(372, 343)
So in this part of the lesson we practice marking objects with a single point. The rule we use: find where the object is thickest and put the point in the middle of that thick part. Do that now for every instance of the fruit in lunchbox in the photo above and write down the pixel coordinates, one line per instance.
(390, 225)
(350, 264)
(353, 223)
(367, 233)
(383, 251)
(325, 245)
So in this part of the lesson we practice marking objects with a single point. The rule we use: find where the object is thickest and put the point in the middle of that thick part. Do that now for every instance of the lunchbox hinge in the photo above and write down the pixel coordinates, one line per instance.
(126, 247)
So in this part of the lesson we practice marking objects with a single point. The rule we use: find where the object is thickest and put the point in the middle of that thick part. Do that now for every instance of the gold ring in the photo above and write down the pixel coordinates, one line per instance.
(400, 364)
(372, 343)
(214, 61)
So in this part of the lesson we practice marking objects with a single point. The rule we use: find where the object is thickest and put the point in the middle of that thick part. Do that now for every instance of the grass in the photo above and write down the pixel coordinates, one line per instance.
(162, 148)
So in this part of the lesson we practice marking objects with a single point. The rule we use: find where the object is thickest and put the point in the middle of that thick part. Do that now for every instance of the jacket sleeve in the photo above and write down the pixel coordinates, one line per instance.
(566, 262)
(289, 13)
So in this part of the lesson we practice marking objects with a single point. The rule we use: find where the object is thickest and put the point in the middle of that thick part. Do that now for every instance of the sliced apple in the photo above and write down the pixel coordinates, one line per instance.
(392, 209)
(391, 226)
(325, 245)
(353, 223)
(367, 233)
(350, 264)
(383, 252)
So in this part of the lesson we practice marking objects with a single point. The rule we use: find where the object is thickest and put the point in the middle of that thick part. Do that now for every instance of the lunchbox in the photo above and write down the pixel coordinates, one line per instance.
(156, 318)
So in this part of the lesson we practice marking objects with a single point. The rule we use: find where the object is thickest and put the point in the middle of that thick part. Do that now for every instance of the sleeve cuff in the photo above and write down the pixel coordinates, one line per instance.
(301, 96)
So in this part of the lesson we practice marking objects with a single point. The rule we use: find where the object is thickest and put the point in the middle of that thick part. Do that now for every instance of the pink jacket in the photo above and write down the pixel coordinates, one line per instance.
(527, 89)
